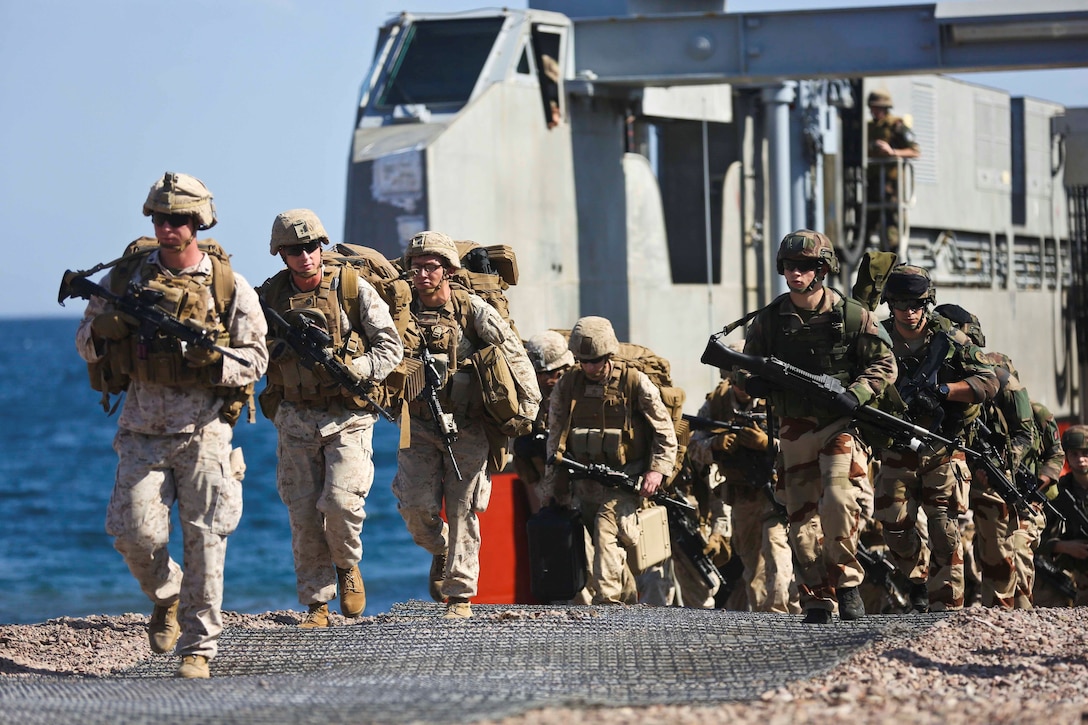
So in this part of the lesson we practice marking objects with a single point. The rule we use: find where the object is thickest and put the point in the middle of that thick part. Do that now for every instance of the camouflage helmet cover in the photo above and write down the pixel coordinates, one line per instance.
(592, 338)
(1075, 436)
(880, 99)
(907, 282)
(296, 226)
(435, 243)
(181, 194)
(548, 351)
(807, 244)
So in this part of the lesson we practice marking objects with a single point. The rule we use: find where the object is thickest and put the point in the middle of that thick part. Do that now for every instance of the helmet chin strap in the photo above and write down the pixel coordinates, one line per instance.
(817, 280)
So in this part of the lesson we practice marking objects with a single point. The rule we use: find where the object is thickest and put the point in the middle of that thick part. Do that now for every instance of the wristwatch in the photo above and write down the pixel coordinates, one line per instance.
(942, 390)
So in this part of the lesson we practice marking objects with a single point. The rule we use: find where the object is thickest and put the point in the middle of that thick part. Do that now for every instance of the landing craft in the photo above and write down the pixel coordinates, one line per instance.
(644, 157)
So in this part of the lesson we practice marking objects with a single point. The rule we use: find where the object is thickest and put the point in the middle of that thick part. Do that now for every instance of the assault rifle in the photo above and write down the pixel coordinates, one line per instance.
(311, 343)
(822, 389)
(917, 390)
(1056, 577)
(141, 303)
(827, 389)
(758, 465)
(883, 573)
(681, 514)
(444, 422)
(696, 422)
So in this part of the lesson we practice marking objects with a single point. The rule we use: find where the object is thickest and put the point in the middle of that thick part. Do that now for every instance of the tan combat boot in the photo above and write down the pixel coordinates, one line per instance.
(437, 576)
(458, 608)
(318, 616)
(163, 629)
(194, 667)
(352, 591)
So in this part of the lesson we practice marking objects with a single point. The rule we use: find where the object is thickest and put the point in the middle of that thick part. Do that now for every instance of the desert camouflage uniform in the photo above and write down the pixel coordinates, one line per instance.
(609, 513)
(1012, 422)
(1047, 461)
(425, 476)
(933, 481)
(326, 465)
(819, 447)
(173, 446)
(759, 533)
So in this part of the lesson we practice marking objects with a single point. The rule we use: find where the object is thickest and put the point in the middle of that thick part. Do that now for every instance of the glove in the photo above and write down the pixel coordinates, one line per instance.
(200, 357)
(723, 442)
(113, 325)
(753, 438)
(279, 350)
(926, 403)
(846, 402)
(718, 549)
(323, 376)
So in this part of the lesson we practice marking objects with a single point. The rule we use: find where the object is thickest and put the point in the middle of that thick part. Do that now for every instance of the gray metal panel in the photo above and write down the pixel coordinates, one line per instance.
(766, 47)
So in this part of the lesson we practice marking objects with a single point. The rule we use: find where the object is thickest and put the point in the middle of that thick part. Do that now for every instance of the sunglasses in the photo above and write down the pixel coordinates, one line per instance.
(596, 360)
(907, 305)
(427, 269)
(296, 249)
(174, 220)
(801, 265)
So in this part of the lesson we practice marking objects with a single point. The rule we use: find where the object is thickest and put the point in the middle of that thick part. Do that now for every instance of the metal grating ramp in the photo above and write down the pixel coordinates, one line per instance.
(412, 666)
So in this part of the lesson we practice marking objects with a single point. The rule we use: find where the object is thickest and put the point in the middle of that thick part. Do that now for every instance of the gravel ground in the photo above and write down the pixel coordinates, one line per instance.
(979, 665)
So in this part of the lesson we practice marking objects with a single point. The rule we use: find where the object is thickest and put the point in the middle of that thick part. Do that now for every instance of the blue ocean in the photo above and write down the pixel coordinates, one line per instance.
(56, 473)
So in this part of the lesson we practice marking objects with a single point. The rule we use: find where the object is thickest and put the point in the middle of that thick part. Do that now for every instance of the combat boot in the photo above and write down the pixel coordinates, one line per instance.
(458, 608)
(817, 616)
(919, 597)
(194, 667)
(437, 576)
(163, 629)
(850, 605)
(318, 616)
(352, 591)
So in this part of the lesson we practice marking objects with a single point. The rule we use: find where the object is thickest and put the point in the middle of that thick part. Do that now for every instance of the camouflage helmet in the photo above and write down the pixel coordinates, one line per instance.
(807, 244)
(593, 338)
(964, 320)
(548, 351)
(181, 194)
(880, 99)
(435, 243)
(1075, 436)
(296, 226)
(907, 282)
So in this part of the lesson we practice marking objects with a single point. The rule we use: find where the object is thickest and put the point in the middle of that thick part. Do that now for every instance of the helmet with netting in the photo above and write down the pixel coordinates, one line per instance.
(907, 282)
(435, 243)
(593, 338)
(880, 99)
(181, 194)
(296, 226)
(807, 244)
(548, 351)
(1075, 436)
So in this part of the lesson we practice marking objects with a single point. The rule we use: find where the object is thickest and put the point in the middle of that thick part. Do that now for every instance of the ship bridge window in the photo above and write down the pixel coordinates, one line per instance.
(439, 62)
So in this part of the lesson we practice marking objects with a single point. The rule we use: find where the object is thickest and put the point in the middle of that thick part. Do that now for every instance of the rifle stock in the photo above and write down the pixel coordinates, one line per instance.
(311, 344)
(140, 303)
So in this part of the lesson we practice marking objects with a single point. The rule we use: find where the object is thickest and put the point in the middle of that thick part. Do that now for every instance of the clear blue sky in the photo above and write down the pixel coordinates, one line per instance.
(255, 97)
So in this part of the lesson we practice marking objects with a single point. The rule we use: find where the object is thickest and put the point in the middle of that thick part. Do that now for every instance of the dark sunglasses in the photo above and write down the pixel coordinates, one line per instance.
(174, 220)
(907, 305)
(801, 265)
(596, 360)
(296, 249)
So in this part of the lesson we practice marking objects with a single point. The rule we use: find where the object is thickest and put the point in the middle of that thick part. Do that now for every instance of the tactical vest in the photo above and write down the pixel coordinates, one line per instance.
(336, 298)
(824, 345)
(604, 426)
(449, 333)
(160, 359)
